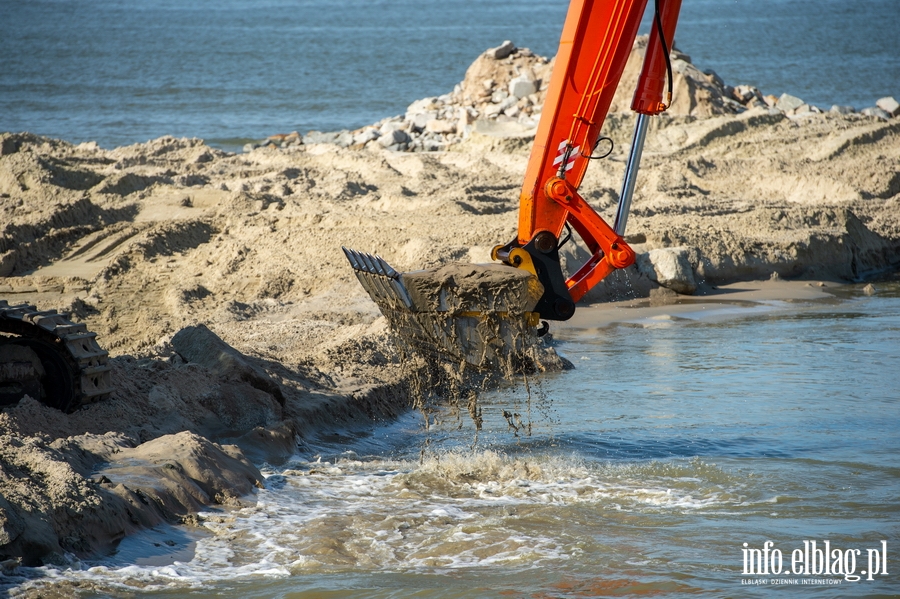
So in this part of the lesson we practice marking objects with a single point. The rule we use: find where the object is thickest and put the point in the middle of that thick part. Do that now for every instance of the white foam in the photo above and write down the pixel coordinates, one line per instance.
(448, 511)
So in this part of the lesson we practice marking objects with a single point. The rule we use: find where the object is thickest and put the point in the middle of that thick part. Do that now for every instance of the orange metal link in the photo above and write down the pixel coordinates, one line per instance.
(613, 251)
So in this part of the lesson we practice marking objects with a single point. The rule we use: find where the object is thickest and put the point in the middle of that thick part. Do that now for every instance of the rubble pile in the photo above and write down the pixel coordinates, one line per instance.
(503, 94)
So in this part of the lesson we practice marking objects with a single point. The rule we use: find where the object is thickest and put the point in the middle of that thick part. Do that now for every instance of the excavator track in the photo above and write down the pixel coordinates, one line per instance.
(44, 353)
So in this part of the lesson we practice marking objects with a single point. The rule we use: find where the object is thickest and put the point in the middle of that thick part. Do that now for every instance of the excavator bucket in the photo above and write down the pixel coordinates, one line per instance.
(481, 314)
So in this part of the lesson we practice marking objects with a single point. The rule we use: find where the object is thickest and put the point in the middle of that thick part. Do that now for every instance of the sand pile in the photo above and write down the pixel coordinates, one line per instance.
(236, 325)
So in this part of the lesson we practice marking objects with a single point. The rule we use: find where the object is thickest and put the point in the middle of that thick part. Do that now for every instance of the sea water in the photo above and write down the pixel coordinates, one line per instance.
(231, 71)
(681, 447)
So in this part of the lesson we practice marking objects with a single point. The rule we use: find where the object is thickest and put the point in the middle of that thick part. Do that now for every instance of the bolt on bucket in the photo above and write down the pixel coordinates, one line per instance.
(481, 314)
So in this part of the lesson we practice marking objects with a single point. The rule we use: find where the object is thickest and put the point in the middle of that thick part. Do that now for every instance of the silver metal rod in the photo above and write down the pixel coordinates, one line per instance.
(631, 171)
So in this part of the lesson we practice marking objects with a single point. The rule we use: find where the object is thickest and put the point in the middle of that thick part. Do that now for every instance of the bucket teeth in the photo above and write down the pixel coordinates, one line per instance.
(378, 278)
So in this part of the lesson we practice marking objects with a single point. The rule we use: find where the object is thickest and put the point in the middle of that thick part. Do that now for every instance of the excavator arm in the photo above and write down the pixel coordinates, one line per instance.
(596, 41)
(484, 314)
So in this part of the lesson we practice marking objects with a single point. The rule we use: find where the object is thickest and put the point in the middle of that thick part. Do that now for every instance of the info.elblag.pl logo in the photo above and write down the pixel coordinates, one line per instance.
(815, 558)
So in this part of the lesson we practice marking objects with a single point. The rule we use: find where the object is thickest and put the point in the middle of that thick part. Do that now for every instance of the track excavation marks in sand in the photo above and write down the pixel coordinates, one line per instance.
(93, 252)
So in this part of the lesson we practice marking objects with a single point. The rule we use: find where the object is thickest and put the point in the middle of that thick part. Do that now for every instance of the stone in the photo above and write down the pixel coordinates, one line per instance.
(842, 109)
(344, 139)
(501, 51)
(711, 76)
(662, 296)
(889, 105)
(876, 112)
(745, 93)
(869, 289)
(250, 147)
(788, 102)
(317, 137)
(757, 103)
(423, 105)
(200, 345)
(420, 121)
(522, 86)
(670, 267)
(392, 125)
(440, 126)
(393, 138)
(492, 110)
(366, 135)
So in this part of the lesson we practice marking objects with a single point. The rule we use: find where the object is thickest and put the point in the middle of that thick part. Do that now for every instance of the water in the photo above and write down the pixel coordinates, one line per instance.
(228, 71)
(675, 441)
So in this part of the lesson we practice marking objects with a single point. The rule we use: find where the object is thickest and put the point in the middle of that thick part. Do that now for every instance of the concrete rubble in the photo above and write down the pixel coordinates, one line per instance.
(507, 84)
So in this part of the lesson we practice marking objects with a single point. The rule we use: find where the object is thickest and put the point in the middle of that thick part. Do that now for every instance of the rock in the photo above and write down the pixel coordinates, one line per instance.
(670, 267)
(745, 93)
(875, 111)
(501, 51)
(711, 75)
(493, 110)
(317, 137)
(250, 147)
(8, 567)
(393, 138)
(200, 345)
(662, 296)
(366, 135)
(344, 139)
(869, 289)
(391, 125)
(842, 109)
(420, 121)
(522, 86)
(440, 126)
(788, 102)
(499, 96)
(889, 105)
(770, 100)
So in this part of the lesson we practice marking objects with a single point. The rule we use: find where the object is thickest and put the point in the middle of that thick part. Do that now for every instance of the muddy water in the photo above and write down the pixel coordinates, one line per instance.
(676, 440)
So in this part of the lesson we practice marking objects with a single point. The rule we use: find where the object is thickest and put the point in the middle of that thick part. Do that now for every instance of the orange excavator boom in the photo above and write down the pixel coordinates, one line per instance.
(596, 41)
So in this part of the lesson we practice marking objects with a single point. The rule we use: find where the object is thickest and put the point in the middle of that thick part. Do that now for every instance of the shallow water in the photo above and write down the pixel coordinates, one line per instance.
(673, 442)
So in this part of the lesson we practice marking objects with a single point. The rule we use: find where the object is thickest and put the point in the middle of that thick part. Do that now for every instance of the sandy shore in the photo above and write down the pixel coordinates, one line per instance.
(237, 327)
